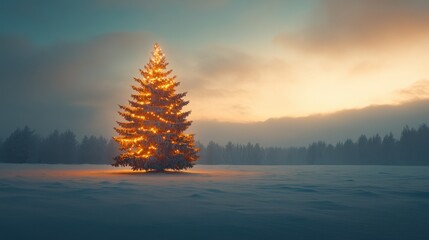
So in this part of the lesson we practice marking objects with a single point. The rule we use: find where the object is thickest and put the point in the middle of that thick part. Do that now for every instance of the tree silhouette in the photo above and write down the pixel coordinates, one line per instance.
(92, 150)
(1, 150)
(21, 146)
(25, 146)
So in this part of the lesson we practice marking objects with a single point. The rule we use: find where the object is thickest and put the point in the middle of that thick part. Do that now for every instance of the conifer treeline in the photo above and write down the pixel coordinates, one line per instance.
(412, 148)
(25, 146)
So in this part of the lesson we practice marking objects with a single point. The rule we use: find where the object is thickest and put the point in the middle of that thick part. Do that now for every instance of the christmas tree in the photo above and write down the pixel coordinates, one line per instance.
(152, 136)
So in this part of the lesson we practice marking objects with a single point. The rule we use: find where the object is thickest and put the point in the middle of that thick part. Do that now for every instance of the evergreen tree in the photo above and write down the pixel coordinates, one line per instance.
(152, 136)
(69, 146)
(21, 146)
(214, 153)
(92, 150)
(111, 149)
(50, 150)
(59, 148)
(1, 150)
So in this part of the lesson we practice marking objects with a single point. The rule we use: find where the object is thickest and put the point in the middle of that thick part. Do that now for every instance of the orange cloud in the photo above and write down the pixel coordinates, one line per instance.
(417, 91)
(365, 67)
(341, 26)
(231, 82)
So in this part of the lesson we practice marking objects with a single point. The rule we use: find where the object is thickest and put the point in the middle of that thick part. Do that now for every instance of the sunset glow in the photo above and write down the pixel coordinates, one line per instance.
(214, 119)
(240, 61)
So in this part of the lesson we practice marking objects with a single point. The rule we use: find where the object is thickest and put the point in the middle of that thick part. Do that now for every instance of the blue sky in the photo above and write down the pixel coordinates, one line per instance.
(183, 23)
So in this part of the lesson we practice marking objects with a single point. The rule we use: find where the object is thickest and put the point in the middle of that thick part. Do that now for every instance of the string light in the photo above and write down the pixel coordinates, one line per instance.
(155, 113)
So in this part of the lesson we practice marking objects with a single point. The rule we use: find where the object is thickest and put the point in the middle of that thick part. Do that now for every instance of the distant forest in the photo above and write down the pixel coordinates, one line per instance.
(25, 146)
(412, 148)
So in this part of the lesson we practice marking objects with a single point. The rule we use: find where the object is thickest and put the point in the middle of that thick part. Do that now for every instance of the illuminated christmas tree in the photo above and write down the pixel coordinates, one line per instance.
(152, 136)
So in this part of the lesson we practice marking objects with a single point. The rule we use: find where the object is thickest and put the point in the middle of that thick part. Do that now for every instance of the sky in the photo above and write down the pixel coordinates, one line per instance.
(68, 64)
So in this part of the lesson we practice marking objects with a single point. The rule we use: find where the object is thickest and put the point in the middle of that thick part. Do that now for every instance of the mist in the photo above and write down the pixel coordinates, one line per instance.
(331, 128)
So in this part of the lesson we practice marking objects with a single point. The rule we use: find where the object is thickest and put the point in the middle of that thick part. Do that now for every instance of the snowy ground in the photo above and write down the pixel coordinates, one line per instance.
(214, 202)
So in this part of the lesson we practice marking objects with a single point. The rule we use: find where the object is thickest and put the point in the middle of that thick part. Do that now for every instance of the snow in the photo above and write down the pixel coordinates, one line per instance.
(214, 202)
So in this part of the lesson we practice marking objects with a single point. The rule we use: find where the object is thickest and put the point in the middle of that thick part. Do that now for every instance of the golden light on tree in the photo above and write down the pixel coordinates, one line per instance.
(152, 136)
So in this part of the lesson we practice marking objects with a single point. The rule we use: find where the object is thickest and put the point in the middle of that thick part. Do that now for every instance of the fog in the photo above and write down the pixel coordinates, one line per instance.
(214, 202)
(331, 128)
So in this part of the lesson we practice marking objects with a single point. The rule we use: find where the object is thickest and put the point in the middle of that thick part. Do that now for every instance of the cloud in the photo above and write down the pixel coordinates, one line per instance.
(78, 84)
(160, 4)
(227, 70)
(223, 67)
(364, 67)
(224, 82)
(342, 26)
(228, 63)
(332, 128)
(67, 85)
(417, 91)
